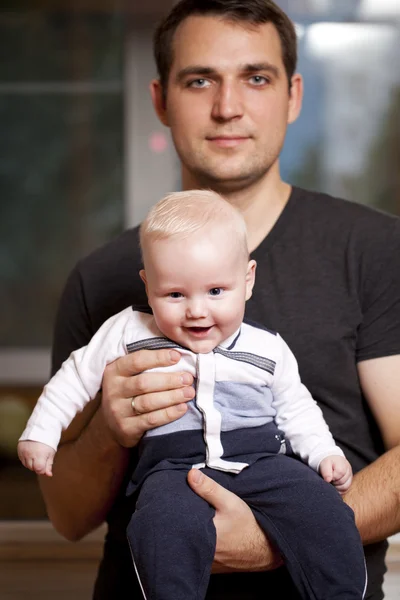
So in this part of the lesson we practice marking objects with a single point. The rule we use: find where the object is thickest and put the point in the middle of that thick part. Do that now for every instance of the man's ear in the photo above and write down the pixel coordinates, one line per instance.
(158, 98)
(250, 278)
(296, 97)
(143, 277)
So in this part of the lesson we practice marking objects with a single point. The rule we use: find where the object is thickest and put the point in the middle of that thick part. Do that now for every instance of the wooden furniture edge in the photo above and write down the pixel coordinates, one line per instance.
(38, 540)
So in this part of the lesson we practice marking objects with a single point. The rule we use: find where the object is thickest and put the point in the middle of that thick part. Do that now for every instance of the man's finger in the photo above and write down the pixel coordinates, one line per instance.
(209, 490)
(135, 428)
(146, 383)
(142, 360)
(150, 402)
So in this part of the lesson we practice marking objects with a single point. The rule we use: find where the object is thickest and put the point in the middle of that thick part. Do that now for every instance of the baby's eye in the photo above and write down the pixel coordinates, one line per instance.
(175, 295)
(215, 291)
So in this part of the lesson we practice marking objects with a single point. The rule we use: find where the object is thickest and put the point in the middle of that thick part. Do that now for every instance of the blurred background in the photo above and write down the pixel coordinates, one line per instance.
(82, 157)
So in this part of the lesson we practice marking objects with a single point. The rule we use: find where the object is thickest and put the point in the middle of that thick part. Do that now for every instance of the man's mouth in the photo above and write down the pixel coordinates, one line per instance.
(230, 141)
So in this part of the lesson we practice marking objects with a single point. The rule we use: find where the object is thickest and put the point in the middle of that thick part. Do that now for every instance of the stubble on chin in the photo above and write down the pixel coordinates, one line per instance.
(224, 180)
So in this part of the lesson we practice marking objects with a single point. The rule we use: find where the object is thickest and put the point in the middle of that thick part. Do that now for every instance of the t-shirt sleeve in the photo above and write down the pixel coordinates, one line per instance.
(379, 331)
(72, 328)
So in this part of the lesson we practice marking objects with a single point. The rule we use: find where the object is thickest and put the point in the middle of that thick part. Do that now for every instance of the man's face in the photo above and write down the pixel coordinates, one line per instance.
(197, 287)
(227, 102)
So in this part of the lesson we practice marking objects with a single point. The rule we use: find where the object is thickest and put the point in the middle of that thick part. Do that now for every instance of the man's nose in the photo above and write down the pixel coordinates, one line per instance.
(228, 103)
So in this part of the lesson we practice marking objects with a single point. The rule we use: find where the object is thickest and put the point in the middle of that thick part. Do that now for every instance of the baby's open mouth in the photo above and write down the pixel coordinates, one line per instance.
(199, 330)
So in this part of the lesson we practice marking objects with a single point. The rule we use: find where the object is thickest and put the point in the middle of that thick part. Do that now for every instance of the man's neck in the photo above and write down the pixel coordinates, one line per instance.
(261, 203)
(261, 210)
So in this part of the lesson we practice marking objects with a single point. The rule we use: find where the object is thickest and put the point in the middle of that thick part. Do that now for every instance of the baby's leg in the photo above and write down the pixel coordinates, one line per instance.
(310, 524)
(172, 538)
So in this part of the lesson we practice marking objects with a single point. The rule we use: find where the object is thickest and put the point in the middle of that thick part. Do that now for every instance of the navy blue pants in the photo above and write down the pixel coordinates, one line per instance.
(172, 536)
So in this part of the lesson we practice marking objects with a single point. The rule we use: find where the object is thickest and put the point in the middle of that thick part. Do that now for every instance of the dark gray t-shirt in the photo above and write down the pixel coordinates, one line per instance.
(328, 280)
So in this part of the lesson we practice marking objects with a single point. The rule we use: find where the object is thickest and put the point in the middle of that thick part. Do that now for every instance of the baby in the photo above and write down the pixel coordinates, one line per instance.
(253, 426)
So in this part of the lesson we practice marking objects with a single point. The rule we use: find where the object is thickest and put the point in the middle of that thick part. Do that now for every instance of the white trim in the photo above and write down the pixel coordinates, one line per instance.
(136, 570)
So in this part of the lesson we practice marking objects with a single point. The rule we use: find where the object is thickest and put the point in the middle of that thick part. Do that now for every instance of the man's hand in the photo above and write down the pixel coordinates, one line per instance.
(241, 543)
(159, 398)
(337, 470)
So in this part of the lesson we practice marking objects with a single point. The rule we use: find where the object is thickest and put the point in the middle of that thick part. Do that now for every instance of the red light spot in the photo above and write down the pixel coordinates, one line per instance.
(158, 142)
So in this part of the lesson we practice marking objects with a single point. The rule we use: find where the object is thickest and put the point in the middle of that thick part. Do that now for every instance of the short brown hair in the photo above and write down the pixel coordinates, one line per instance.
(255, 12)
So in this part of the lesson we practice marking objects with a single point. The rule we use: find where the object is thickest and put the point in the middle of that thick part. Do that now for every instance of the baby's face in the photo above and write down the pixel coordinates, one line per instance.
(197, 287)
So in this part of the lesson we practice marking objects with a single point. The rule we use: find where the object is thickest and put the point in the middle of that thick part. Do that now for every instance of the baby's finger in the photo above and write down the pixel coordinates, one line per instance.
(39, 466)
(339, 480)
(343, 484)
(49, 467)
(343, 487)
(326, 471)
(339, 477)
(341, 472)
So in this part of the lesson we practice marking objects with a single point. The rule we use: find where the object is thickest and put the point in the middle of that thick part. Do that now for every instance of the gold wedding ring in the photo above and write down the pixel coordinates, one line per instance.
(135, 410)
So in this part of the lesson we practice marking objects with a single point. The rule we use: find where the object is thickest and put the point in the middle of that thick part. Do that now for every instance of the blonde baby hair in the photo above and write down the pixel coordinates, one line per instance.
(184, 213)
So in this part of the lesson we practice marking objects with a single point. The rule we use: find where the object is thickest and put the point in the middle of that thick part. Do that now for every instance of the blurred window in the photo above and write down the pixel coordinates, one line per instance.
(60, 159)
(347, 139)
(61, 186)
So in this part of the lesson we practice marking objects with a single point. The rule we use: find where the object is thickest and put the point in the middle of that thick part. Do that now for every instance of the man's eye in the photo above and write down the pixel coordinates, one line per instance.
(258, 80)
(215, 291)
(198, 83)
(175, 295)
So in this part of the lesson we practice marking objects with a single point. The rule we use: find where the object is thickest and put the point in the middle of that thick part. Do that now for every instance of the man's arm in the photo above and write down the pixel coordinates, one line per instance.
(91, 461)
(87, 473)
(375, 492)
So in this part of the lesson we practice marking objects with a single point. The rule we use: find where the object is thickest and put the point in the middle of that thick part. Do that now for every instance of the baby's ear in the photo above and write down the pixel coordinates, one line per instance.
(142, 274)
(250, 278)
(143, 277)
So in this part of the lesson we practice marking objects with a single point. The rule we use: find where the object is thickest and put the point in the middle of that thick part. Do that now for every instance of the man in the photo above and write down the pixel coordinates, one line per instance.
(328, 280)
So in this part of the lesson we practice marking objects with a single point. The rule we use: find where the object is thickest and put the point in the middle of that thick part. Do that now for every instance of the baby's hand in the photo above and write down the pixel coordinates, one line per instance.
(337, 470)
(37, 457)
